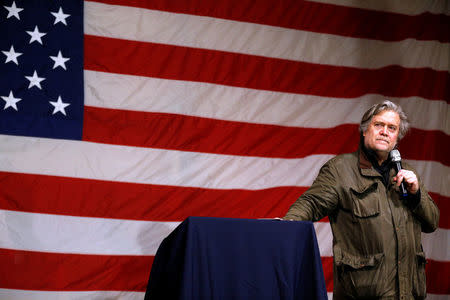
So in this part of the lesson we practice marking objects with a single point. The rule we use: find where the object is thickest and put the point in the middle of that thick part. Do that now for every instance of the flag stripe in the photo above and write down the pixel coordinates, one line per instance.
(12, 294)
(328, 18)
(36, 269)
(438, 274)
(327, 266)
(81, 197)
(81, 235)
(183, 63)
(408, 7)
(324, 238)
(152, 166)
(73, 272)
(127, 92)
(415, 145)
(444, 206)
(174, 168)
(213, 136)
(259, 39)
(436, 244)
(188, 133)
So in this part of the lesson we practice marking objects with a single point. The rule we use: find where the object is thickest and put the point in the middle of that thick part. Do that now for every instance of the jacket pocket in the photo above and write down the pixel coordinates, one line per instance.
(419, 281)
(365, 201)
(359, 276)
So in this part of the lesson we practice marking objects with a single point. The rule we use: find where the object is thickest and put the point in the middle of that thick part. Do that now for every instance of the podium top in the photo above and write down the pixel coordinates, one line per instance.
(226, 258)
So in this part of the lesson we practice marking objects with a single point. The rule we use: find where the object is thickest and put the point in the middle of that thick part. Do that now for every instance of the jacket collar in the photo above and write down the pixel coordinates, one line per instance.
(366, 168)
(365, 165)
(364, 162)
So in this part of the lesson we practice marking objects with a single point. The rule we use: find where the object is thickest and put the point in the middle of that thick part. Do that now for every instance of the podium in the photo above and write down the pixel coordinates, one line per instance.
(224, 258)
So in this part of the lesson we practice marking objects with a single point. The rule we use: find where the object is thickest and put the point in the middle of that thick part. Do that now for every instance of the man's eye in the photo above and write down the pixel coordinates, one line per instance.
(392, 128)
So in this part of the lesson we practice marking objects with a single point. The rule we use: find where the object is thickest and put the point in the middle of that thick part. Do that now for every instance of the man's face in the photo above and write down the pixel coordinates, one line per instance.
(382, 133)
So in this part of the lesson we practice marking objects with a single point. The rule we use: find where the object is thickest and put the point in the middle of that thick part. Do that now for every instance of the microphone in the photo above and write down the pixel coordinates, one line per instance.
(397, 160)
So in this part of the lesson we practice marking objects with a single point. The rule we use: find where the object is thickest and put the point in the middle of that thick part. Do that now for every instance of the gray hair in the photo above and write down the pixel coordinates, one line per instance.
(386, 105)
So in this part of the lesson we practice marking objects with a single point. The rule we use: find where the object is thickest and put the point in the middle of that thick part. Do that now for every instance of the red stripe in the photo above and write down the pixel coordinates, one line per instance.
(443, 203)
(82, 197)
(310, 16)
(242, 70)
(422, 144)
(327, 266)
(27, 270)
(188, 133)
(170, 131)
(438, 277)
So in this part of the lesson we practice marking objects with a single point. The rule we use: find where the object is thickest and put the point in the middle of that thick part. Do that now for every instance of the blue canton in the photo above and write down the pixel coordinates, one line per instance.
(41, 68)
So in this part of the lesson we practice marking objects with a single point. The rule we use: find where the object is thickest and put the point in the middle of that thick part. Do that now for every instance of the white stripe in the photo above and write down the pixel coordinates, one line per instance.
(127, 92)
(437, 244)
(232, 36)
(407, 7)
(153, 166)
(437, 297)
(435, 175)
(177, 168)
(80, 235)
(11, 294)
(324, 238)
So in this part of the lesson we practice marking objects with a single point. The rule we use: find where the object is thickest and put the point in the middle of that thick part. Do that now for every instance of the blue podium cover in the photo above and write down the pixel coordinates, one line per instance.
(221, 258)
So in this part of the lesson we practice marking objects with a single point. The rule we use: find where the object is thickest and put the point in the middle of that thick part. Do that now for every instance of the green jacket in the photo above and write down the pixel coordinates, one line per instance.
(376, 236)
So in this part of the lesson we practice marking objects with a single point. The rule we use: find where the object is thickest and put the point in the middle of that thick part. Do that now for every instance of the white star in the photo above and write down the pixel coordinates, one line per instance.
(13, 11)
(12, 55)
(35, 80)
(60, 16)
(36, 35)
(10, 101)
(60, 61)
(59, 106)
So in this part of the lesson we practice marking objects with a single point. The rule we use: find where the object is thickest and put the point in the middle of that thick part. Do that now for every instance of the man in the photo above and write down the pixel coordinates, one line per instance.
(376, 232)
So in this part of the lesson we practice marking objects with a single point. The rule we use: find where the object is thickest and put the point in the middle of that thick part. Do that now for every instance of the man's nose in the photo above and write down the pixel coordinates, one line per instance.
(384, 130)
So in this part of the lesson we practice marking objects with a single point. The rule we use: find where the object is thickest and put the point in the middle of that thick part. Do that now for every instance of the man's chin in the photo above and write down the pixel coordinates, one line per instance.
(383, 150)
(383, 153)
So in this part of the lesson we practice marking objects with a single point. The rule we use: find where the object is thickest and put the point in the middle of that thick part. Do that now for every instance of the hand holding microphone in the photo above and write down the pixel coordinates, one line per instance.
(406, 180)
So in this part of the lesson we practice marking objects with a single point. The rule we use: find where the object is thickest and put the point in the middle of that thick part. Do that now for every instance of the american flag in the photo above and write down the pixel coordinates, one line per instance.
(119, 119)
